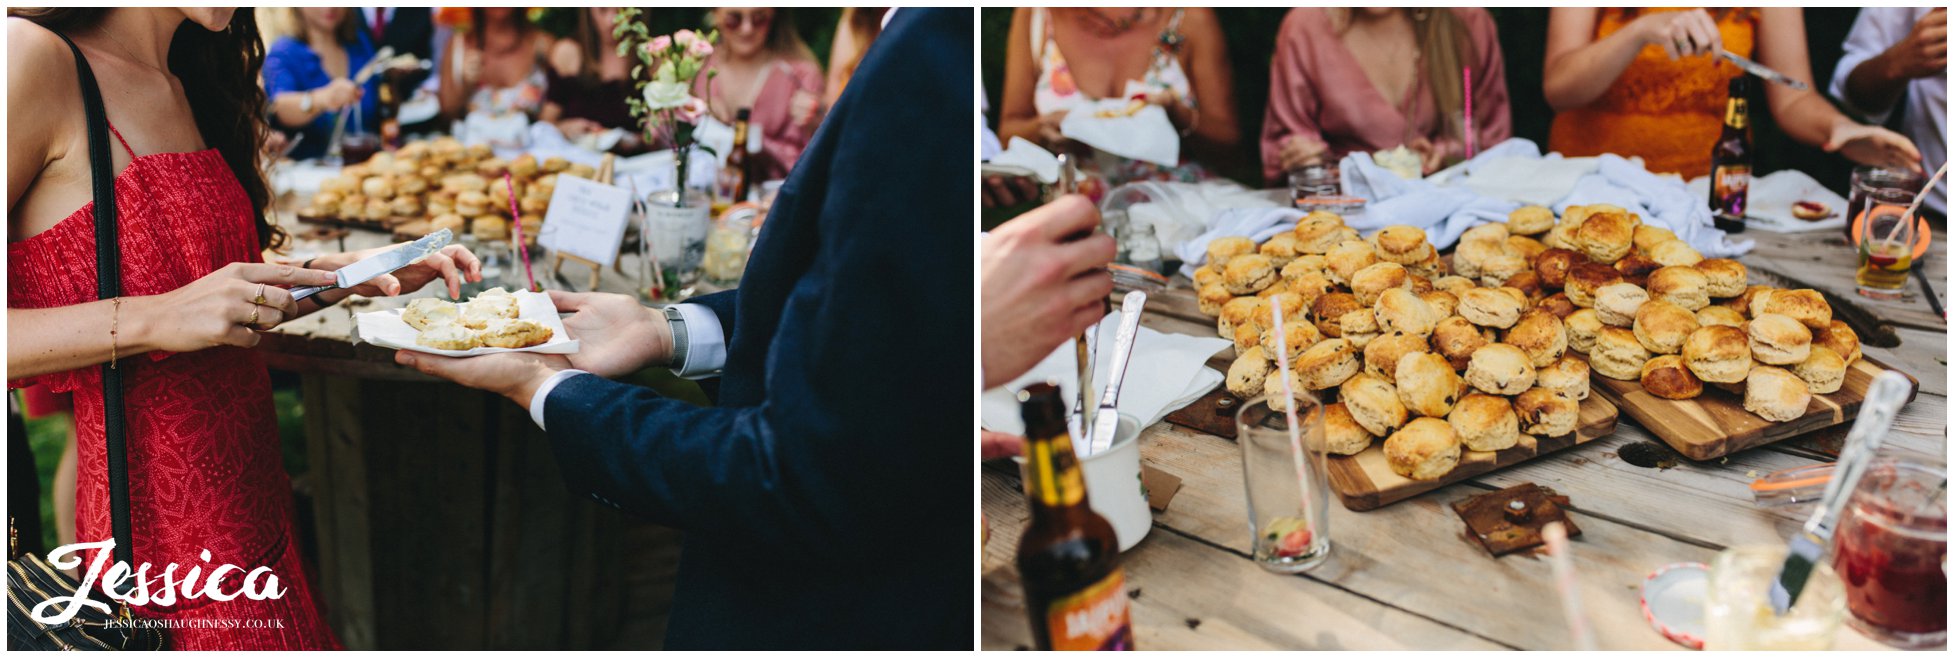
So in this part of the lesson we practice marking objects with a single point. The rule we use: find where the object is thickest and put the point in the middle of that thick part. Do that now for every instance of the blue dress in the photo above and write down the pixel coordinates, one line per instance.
(292, 66)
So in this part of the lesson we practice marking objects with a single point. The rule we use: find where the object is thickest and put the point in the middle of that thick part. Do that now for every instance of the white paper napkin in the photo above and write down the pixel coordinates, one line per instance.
(1770, 200)
(1148, 135)
(1032, 157)
(1166, 372)
(386, 329)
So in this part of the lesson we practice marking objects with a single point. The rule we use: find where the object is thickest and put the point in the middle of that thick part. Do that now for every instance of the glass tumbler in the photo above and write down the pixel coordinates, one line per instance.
(1737, 611)
(1885, 244)
(1287, 481)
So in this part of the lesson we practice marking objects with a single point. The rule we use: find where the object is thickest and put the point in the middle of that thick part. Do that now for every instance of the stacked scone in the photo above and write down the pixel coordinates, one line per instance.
(490, 319)
(450, 186)
(1402, 347)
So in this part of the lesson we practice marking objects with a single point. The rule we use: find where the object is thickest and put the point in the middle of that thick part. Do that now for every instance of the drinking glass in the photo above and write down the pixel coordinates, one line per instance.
(1737, 610)
(1288, 484)
(1866, 179)
(727, 246)
(1311, 181)
(1891, 551)
(1886, 236)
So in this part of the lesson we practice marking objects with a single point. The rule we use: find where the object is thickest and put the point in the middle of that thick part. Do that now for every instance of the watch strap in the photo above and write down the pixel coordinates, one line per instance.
(680, 340)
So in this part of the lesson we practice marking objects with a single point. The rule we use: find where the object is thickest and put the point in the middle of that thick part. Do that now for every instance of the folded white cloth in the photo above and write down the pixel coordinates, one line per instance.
(1023, 153)
(1147, 135)
(1770, 198)
(1166, 372)
(1661, 200)
(1258, 224)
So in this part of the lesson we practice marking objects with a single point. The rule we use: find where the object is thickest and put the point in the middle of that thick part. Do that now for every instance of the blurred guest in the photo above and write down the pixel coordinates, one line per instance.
(762, 64)
(1375, 78)
(408, 30)
(1647, 82)
(589, 82)
(858, 27)
(1894, 52)
(308, 77)
(495, 65)
(1058, 60)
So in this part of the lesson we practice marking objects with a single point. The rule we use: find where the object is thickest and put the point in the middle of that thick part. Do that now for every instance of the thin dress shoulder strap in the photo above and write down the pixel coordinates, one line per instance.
(118, 137)
(118, 134)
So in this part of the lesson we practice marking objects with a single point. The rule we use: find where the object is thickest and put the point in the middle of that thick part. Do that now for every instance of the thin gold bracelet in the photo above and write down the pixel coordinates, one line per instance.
(115, 325)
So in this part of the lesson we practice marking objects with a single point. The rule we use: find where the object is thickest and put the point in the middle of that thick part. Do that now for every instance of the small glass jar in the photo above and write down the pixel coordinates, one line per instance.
(1287, 481)
(1891, 551)
(1737, 612)
(1313, 182)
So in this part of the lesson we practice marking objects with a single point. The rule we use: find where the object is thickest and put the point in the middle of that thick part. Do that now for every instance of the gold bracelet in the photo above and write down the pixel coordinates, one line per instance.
(115, 325)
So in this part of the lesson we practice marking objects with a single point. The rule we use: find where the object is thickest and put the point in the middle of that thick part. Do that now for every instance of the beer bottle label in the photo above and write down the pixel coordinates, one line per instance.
(1731, 183)
(1092, 619)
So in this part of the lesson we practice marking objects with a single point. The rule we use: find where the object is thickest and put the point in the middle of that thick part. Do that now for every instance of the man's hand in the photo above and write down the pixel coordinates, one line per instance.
(1041, 285)
(514, 375)
(1299, 151)
(993, 445)
(616, 335)
(1923, 52)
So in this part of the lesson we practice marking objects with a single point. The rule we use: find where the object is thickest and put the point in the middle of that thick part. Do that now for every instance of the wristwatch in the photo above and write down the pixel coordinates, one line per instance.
(305, 102)
(676, 321)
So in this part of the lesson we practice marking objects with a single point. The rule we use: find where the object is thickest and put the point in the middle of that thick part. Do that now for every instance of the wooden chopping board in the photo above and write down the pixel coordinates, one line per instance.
(1715, 423)
(1364, 481)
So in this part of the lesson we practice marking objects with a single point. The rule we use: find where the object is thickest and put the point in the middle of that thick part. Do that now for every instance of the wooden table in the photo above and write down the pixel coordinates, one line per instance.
(1406, 576)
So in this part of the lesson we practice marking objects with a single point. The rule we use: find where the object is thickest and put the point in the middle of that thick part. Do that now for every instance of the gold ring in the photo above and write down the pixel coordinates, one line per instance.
(253, 322)
(261, 296)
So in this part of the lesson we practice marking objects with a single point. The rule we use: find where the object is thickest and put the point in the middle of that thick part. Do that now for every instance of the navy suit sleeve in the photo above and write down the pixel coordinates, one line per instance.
(865, 423)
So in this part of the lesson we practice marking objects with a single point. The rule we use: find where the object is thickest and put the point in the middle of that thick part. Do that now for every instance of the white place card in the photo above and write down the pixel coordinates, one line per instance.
(586, 219)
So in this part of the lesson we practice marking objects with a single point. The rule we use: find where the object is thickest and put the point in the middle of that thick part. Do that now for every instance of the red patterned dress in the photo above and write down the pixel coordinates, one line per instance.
(205, 471)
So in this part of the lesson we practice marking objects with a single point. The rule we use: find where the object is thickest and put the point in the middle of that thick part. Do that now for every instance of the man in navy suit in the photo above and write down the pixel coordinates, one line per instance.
(826, 498)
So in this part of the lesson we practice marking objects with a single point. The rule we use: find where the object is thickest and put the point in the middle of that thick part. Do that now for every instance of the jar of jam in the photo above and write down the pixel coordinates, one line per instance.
(1891, 552)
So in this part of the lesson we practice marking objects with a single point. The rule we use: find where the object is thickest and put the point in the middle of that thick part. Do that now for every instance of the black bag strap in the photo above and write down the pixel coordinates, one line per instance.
(108, 285)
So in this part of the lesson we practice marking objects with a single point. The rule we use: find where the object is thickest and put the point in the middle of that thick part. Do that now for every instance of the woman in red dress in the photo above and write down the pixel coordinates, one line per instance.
(180, 87)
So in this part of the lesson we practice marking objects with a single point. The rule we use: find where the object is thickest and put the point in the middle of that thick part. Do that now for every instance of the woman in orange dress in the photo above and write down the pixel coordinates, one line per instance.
(1647, 82)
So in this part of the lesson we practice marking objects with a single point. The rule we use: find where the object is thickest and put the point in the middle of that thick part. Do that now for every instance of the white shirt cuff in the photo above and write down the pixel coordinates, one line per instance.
(543, 394)
(705, 343)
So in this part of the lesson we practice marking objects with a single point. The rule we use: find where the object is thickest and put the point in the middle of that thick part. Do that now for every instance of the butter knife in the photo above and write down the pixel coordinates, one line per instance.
(366, 269)
(1872, 330)
(1883, 400)
(1105, 422)
(1762, 71)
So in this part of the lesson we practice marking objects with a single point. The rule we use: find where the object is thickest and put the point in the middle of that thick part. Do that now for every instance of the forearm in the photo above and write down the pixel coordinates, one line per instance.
(1576, 78)
(1010, 126)
(42, 341)
(287, 107)
(1808, 119)
(1875, 85)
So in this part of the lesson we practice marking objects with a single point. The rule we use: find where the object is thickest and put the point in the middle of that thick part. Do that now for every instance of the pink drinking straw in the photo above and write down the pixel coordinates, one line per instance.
(1468, 113)
(521, 248)
(1295, 431)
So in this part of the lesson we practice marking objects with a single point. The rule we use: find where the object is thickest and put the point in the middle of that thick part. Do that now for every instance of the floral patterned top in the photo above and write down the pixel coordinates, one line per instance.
(1056, 91)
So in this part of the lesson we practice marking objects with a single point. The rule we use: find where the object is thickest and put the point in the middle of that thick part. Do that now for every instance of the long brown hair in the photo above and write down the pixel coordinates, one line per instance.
(219, 74)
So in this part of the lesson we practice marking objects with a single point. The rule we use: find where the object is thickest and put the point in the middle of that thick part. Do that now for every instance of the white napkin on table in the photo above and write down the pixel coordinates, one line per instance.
(1259, 224)
(1147, 135)
(1166, 372)
(1661, 199)
(1023, 153)
(1770, 198)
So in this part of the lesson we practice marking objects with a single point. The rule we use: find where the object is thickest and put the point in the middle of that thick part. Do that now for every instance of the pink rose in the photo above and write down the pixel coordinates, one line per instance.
(684, 37)
(700, 48)
(658, 45)
(692, 111)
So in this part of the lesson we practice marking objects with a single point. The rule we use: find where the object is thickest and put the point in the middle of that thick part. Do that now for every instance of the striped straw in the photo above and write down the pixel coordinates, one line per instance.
(1295, 429)
(1570, 594)
(1468, 113)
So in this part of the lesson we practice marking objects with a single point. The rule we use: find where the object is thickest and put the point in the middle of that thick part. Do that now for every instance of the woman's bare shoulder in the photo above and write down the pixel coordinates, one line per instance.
(41, 71)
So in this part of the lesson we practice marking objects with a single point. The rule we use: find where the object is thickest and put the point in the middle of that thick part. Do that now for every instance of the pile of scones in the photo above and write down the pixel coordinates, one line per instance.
(446, 184)
(1439, 358)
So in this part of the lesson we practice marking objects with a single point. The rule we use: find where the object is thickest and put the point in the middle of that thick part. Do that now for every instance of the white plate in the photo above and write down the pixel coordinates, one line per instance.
(386, 329)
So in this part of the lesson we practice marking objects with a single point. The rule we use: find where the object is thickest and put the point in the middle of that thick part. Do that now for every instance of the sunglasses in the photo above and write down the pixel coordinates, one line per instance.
(734, 20)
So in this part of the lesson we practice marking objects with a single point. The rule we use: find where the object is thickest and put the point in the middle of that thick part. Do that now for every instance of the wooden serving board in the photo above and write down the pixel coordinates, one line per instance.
(1364, 481)
(1715, 423)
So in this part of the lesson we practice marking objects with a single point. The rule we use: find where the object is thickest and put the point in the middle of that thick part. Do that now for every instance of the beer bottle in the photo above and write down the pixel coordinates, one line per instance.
(389, 110)
(1730, 161)
(737, 178)
(1068, 559)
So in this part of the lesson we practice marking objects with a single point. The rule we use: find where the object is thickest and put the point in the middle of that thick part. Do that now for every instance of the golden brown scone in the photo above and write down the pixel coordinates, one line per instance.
(1545, 413)
(1779, 340)
(1374, 403)
(1667, 377)
(515, 333)
(1298, 335)
(1725, 277)
(1582, 326)
(1539, 334)
(1238, 311)
(1400, 310)
(1568, 377)
(1221, 250)
(1431, 267)
(1557, 304)
(1453, 284)
(1585, 279)
(1528, 283)
(1310, 286)
(1381, 356)
(471, 203)
(1529, 220)
(1272, 389)
(1718, 354)
(1552, 266)
(1372, 281)
(1561, 236)
(1359, 327)
(428, 311)
(1496, 268)
(1247, 373)
(1805, 305)
(1675, 253)
(1840, 338)
(1456, 339)
(1528, 248)
(1605, 237)
(1485, 422)
(1443, 303)
(476, 313)
(1249, 334)
(1301, 265)
(377, 210)
(1775, 394)
(1616, 354)
(1823, 371)
(1317, 232)
(449, 221)
(1500, 369)
(1292, 305)
(1403, 245)
(1341, 433)
(1281, 248)
(1246, 274)
(1427, 384)
(1616, 303)
(1206, 274)
(1209, 298)
(1488, 307)
(1719, 315)
(1681, 285)
(1744, 301)
(1347, 258)
(1426, 449)
(448, 336)
(1662, 327)
(1472, 253)
(1647, 236)
(1574, 215)
(1327, 310)
(1326, 364)
(1635, 268)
